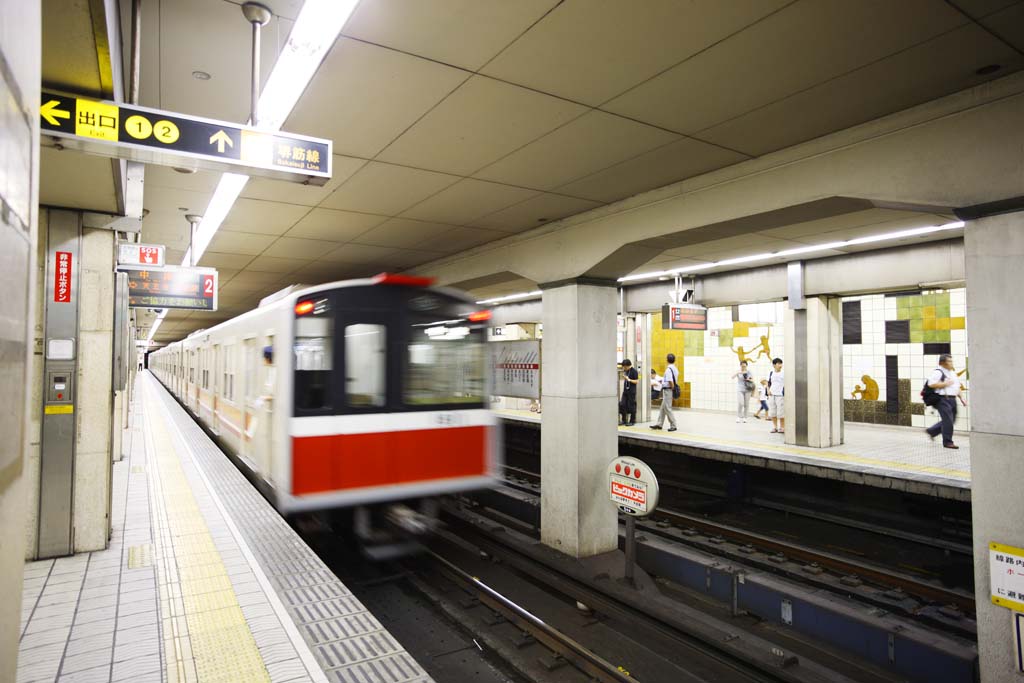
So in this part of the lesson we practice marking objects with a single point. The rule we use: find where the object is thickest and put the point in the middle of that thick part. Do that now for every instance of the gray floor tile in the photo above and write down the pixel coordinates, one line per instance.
(86, 660)
(138, 669)
(101, 641)
(97, 674)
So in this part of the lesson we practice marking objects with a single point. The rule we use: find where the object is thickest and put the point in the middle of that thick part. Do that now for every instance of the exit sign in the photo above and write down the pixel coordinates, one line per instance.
(150, 255)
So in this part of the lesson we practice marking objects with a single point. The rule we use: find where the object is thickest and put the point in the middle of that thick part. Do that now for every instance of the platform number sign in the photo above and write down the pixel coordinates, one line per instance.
(632, 486)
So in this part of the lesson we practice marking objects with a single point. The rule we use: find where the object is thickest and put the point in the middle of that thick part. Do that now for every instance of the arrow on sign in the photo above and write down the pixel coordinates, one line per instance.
(221, 138)
(51, 113)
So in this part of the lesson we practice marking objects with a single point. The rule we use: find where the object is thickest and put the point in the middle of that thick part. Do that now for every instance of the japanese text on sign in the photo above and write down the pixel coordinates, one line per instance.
(168, 138)
(1006, 571)
(684, 317)
(515, 368)
(194, 288)
(62, 277)
(630, 494)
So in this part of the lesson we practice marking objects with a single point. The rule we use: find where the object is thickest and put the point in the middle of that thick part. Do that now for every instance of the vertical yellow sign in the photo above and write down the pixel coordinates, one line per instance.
(96, 120)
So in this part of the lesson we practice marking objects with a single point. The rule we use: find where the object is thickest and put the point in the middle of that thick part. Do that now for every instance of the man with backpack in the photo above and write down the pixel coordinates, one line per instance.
(669, 391)
(777, 397)
(941, 391)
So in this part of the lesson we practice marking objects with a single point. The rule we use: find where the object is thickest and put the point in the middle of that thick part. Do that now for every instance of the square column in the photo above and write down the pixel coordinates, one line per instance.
(814, 380)
(994, 251)
(579, 433)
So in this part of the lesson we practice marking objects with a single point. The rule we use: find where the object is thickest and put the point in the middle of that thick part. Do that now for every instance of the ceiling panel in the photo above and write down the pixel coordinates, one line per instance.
(586, 145)
(273, 264)
(403, 232)
(364, 96)
(936, 68)
(216, 259)
(603, 47)
(74, 180)
(1008, 25)
(464, 33)
(401, 259)
(482, 121)
(201, 182)
(459, 239)
(266, 218)
(656, 168)
(760, 65)
(357, 253)
(387, 189)
(541, 209)
(334, 225)
(231, 242)
(342, 169)
(466, 200)
(298, 248)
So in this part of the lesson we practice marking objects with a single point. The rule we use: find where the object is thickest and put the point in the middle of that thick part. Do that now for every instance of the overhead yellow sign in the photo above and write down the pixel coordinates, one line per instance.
(160, 137)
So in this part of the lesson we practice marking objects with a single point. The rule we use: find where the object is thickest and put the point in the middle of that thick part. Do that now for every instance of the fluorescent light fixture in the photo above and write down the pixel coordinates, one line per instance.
(912, 232)
(315, 30)
(156, 326)
(510, 297)
(228, 189)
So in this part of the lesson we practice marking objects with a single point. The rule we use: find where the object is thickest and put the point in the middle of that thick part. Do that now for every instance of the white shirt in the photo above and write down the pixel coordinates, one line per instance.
(776, 383)
(762, 393)
(943, 375)
(656, 383)
(671, 375)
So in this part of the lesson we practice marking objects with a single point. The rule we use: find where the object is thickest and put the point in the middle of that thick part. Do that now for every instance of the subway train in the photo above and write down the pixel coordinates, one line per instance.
(368, 395)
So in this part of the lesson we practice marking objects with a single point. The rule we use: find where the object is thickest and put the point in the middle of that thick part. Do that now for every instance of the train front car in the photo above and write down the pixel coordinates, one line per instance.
(389, 401)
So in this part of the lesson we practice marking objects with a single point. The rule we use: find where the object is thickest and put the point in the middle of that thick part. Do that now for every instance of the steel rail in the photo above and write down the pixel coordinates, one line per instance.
(964, 601)
(580, 656)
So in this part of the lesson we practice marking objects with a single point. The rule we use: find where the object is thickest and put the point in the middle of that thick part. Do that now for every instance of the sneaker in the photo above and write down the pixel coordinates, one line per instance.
(655, 426)
(738, 420)
(672, 429)
(744, 420)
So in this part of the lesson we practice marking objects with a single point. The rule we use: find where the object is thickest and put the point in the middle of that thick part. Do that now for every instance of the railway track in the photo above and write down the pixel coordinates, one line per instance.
(814, 558)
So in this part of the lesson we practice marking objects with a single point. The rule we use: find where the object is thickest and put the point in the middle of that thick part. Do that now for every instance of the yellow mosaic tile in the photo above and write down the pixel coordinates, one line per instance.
(957, 323)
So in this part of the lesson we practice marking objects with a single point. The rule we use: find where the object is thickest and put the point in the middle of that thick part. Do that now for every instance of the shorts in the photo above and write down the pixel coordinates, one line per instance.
(777, 406)
(764, 405)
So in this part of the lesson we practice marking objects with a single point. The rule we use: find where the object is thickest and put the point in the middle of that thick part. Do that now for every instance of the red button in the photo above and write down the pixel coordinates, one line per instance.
(636, 473)
(60, 396)
(618, 467)
(627, 471)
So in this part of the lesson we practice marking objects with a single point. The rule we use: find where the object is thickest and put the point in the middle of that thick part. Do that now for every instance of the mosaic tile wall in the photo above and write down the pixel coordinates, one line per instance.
(890, 345)
(707, 360)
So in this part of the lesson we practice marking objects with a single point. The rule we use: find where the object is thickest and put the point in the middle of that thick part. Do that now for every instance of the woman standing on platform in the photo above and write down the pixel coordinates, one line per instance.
(744, 388)
(627, 404)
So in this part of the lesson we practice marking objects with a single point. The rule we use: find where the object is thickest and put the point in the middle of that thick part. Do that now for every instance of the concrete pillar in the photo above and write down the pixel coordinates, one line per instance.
(994, 251)
(20, 27)
(814, 373)
(579, 434)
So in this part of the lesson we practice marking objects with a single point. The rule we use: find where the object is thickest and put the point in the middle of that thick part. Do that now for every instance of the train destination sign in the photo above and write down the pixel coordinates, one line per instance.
(160, 137)
(172, 287)
(684, 317)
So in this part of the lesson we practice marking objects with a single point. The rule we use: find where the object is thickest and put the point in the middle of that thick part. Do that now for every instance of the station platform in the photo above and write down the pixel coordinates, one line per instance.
(202, 581)
(900, 458)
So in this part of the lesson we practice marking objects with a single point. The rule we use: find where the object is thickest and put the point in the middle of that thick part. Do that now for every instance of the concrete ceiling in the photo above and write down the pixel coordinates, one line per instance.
(460, 122)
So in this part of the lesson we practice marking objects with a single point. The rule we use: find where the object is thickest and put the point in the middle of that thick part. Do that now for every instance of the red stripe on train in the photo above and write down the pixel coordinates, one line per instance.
(348, 461)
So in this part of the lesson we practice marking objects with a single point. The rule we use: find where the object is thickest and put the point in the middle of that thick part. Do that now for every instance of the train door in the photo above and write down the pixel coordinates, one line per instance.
(218, 388)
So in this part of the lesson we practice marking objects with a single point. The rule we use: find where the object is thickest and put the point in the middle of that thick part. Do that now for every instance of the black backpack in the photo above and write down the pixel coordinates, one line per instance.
(676, 391)
(929, 396)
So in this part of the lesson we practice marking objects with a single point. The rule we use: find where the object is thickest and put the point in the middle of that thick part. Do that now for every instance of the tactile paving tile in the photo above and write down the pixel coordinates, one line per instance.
(350, 644)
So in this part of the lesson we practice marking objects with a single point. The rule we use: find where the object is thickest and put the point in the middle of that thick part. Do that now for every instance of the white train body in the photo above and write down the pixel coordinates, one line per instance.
(375, 391)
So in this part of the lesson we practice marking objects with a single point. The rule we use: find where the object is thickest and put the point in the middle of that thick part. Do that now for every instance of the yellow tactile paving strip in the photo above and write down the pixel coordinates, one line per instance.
(206, 636)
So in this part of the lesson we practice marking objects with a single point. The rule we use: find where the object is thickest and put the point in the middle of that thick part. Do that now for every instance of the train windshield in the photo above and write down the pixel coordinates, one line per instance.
(444, 363)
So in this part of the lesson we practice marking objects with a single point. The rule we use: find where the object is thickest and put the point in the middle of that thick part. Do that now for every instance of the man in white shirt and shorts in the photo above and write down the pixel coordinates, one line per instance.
(777, 397)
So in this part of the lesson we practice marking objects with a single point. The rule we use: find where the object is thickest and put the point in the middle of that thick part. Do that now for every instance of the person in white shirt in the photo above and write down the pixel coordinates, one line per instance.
(947, 385)
(777, 397)
(655, 385)
(668, 383)
(762, 396)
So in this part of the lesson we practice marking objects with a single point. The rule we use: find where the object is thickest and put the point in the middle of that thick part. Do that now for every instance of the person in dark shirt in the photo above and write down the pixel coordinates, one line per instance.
(627, 404)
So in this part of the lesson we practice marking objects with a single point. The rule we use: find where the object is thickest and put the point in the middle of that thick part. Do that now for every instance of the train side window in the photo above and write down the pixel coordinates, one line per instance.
(365, 365)
(314, 351)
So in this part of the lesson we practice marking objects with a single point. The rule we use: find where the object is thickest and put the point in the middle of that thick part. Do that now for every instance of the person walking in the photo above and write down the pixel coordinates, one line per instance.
(777, 397)
(744, 387)
(762, 396)
(669, 382)
(627, 404)
(946, 384)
